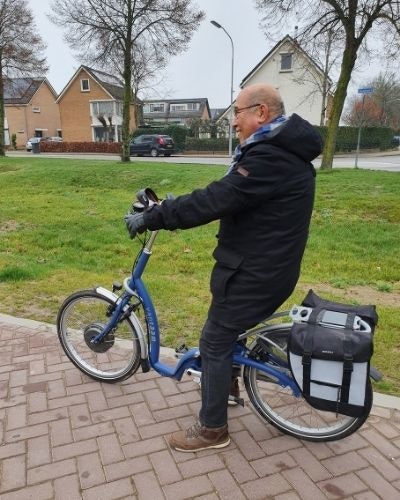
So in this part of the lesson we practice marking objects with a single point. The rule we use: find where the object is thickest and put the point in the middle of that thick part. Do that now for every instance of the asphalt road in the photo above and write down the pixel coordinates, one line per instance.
(374, 161)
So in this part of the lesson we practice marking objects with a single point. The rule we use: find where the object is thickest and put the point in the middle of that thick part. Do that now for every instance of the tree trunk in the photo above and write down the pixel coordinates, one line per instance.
(2, 148)
(349, 59)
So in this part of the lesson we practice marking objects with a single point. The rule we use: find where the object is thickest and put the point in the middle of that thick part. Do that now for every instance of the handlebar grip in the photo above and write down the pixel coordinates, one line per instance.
(147, 195)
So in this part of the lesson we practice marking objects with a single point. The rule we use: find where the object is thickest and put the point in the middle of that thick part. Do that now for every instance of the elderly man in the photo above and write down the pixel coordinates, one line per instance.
(264, 203)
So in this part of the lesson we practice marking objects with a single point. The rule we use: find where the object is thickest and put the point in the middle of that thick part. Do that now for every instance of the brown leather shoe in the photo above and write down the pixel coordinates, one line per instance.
(197, 438)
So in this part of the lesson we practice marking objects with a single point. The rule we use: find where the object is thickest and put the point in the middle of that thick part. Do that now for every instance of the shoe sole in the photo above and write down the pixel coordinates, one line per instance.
(214, 446)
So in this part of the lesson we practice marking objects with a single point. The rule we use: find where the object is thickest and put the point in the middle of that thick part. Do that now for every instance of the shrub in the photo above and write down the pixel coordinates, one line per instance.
(371, 138)
(214, 145)
(14, 140)
(80, 147)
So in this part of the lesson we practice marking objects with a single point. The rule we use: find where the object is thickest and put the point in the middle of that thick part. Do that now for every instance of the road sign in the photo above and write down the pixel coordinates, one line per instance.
(366, 90)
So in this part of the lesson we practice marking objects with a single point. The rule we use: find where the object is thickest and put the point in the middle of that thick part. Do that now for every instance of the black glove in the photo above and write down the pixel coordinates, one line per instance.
(135, 224)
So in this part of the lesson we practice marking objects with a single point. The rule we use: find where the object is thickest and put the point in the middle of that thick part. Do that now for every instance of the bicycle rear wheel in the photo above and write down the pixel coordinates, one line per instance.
(82, 316)
(279, 406)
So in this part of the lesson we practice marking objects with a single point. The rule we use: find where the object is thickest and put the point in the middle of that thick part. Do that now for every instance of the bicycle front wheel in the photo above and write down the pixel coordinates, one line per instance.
(279, 406)
(84, 315)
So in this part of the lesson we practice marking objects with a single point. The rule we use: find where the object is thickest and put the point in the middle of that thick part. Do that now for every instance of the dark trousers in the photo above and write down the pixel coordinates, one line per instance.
(217, 344)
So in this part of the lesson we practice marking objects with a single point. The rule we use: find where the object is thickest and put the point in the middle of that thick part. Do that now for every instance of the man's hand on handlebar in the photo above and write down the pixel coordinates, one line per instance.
(135, 223)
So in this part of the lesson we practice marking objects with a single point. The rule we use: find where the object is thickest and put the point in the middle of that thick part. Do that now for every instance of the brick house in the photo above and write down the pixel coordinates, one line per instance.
(30, 110)
(91, 107)
(175, 111)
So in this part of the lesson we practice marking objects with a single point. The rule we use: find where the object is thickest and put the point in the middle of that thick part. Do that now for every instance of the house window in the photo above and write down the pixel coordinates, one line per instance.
(85, 87)
(157, 107)
(178, 107)
(103, 108)
(35, 109)
(193, 106)
(286, 62)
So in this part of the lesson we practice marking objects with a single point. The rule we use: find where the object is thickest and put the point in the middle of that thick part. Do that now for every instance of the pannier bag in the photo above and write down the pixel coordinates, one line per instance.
(329, 352)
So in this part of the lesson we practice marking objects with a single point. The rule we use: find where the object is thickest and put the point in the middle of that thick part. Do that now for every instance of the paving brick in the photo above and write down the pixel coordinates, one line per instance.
(266, 488)
(167, 386)
(155, 399)
(310, 465)
(48, 416)
(112, 390)
(110, 449)
(127, 399)
(319, 450)
(110, 491)
(258, 430)
(82, 388)
(165, 467)
(291, 495)
(271, 465)
(238, 466)
(11, 450)
(18, 377)
(113, 414)
(389, 431)
(385, 467)
(381, 443)
(180, 399)
(342, 486)
(188, 488)
(93, 430)
(74, 449)
(225, 485)
(138, 386)
(126, 430)
(56, 389)
(37, 402)
(42, 491)
(145, 447)
(16, 417)
(51, 471)
(279, 444)
(247, 445)
(13, 473)
(127, 468)
(160, 429)
(90, 470)
(79, 416)
(142, 414)
(67, 401)
(348, 462)
(60, 432)
(67, 488)
(172, 413)
(350, 443)
(36, 367)
(303, 484)
(367, 495)
(26, 433)
(38, 451)
(378, 484)
(147, 486)
(201, 465)
(97, 401)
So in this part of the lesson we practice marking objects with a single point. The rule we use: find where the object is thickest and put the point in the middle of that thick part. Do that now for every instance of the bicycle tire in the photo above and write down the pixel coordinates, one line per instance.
(82, 316)
(280, 407)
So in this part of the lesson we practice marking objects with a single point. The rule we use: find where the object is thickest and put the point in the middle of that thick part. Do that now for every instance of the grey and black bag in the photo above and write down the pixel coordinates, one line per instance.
(329, 352)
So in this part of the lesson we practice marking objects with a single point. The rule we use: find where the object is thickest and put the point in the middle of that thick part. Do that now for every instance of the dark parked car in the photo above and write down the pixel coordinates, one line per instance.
(152, 145)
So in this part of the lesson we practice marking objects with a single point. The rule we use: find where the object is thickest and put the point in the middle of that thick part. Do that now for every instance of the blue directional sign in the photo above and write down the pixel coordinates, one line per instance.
(366, 90)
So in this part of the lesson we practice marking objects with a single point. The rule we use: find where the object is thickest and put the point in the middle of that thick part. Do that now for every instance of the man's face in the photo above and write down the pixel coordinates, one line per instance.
(246, 116)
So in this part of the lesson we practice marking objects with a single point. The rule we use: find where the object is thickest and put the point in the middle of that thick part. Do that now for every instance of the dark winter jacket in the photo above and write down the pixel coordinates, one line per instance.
(264, 206)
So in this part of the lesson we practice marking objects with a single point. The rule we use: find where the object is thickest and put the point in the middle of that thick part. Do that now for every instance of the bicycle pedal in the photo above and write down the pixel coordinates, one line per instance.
(181, 350)
(232, 401)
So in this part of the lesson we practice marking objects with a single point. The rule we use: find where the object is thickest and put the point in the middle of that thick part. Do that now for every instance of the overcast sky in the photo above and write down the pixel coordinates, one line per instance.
(202, 71)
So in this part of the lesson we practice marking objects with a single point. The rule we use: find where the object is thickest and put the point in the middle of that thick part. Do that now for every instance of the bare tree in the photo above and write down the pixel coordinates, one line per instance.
(352, 21)
(105, 32)
(20, 48)
(381, 108)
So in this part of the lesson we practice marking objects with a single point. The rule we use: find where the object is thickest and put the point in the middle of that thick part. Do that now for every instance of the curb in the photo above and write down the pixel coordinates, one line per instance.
(380, 400)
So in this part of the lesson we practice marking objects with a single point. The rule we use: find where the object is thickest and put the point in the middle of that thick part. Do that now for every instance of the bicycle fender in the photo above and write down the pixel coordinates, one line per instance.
(133, 318)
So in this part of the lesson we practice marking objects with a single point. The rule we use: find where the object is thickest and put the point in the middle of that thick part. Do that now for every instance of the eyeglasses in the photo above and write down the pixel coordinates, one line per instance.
(236, 111)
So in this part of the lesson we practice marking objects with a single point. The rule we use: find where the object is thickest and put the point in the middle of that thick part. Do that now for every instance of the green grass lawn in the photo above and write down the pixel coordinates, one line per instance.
(62, 229)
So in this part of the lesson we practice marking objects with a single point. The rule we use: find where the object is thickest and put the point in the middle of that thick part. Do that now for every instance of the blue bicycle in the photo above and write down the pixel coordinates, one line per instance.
(110, 335)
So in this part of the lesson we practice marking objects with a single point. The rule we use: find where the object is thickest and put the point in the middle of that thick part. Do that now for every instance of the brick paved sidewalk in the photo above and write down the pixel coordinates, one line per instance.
(65, 436)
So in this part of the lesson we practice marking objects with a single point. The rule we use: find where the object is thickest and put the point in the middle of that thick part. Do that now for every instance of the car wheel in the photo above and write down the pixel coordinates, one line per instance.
(154, 153)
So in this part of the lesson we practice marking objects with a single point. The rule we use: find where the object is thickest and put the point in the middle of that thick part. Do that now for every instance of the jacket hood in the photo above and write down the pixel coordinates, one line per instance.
(299, 137)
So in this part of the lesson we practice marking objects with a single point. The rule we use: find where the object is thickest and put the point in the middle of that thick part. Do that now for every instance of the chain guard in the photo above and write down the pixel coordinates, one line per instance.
(91, 331)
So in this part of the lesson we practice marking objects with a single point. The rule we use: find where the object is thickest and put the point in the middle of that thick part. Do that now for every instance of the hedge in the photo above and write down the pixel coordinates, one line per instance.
(371, 138)
(80, 147)
(220, 145)
(177, 132)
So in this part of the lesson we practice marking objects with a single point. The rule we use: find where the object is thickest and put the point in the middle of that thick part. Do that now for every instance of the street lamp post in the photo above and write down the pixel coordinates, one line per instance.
(217, 25)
